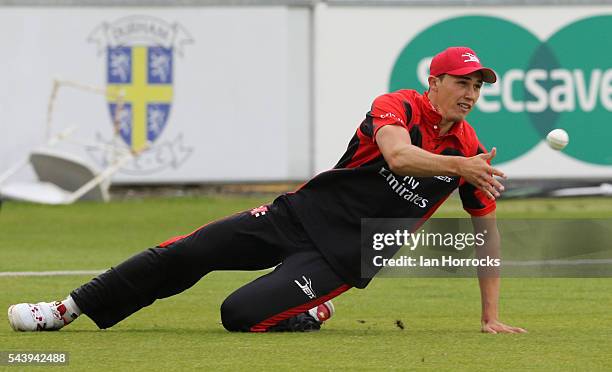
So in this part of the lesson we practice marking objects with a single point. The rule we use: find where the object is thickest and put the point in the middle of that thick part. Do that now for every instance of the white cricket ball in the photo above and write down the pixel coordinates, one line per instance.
(557, 139)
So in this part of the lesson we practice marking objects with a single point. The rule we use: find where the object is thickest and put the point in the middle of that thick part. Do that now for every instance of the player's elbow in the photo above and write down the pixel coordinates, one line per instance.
(397, 163)
(395, 168)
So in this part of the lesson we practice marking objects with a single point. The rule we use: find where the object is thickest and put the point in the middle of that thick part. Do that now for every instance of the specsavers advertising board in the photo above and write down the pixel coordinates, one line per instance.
(554, 66)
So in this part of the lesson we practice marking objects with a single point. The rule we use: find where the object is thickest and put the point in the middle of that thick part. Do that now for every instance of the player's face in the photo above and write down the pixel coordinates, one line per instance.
(455, 96)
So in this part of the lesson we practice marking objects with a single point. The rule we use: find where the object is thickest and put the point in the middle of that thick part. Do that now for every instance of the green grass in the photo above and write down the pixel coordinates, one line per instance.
(569, 319)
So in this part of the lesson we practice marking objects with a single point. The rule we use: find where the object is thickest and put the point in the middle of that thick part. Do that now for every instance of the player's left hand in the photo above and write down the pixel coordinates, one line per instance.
(495, 327)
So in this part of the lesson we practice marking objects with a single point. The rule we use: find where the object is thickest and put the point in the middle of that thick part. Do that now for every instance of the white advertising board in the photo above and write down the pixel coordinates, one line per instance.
(219, 94)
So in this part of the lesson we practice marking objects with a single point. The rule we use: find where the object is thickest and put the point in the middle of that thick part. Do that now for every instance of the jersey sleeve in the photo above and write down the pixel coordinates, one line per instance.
(389, 109)
(475, 202)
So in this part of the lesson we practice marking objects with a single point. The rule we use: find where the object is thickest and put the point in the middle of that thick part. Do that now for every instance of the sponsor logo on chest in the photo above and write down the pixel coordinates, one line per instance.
(408, 187)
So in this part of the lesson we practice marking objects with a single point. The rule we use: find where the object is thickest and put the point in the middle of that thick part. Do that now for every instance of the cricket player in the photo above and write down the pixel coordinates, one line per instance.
(407, 156)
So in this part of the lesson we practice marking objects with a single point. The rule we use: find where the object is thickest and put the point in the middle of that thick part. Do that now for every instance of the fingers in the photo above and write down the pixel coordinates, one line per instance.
(489, 191)
(490, 180)
(498, 173)
(507, 329)
(482, 175)
(489, 155)
(487, 329)
(491, 187)
(499, 327)
(493, 171)
(496, 184)
(493, 153)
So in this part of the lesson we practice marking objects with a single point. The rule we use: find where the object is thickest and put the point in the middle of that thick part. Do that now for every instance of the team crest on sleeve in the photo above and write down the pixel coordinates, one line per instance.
(139, 54)
(259, 211)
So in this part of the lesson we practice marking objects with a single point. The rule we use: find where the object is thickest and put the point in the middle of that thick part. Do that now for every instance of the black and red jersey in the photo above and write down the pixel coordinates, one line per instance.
(361, 185)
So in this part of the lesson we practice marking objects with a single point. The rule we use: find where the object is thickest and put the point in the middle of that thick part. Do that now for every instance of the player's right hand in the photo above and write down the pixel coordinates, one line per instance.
(477, 171)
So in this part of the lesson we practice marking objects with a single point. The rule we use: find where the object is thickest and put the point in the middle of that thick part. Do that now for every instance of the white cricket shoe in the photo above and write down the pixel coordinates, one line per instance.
(322, 312)
(43, 316)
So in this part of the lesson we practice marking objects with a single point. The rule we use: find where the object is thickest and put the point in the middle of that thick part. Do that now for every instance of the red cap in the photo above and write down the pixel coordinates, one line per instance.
(460, 61)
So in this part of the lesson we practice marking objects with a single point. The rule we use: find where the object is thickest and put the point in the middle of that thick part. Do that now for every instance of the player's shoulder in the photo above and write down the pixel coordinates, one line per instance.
(402, 95)
(405, 99)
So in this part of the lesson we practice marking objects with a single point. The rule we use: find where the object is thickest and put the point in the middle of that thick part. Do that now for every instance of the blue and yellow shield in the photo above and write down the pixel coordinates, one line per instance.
(144, 73)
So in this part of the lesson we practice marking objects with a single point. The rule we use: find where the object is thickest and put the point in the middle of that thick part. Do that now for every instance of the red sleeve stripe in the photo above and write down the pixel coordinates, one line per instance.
(481, 212)
(366, 152)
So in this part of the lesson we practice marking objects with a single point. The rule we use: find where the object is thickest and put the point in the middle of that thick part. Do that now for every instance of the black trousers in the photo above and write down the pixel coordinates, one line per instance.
(262, 238)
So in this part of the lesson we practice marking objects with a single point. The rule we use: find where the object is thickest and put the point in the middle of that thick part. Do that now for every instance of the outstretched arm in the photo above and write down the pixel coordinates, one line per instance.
(488, 277)
(406, 159)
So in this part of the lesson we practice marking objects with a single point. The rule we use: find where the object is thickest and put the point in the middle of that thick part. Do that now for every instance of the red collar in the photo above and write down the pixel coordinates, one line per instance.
(433, 118)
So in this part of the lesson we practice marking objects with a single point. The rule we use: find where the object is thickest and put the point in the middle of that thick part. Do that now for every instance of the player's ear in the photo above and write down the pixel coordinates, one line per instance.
(433, 83)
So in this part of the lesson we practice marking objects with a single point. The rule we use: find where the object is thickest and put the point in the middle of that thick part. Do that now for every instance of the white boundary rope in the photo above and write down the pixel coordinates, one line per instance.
(50, 273)
(581, 262)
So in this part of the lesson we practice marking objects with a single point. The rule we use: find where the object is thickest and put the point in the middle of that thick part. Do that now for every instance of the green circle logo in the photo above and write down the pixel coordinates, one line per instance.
(565, 82)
